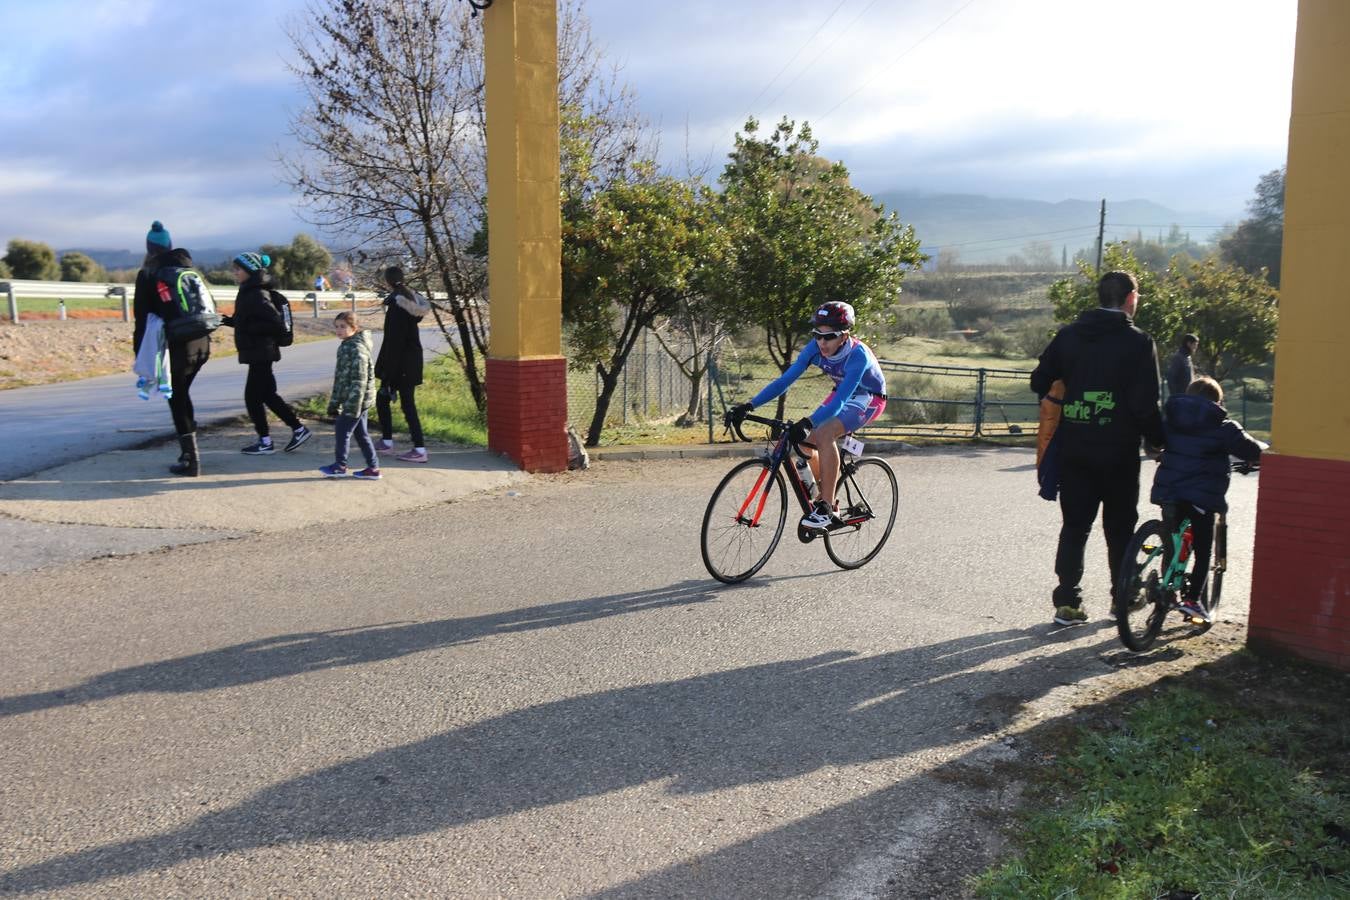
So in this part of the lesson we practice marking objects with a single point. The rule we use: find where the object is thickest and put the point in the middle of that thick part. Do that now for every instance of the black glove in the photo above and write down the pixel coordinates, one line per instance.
(736, 415)
(332, 409)
(227, 321)
(798, 430)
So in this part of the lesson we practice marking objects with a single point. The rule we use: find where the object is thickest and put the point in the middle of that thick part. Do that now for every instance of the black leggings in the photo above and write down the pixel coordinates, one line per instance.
(185, 361)
(386, 416)
(260, 390)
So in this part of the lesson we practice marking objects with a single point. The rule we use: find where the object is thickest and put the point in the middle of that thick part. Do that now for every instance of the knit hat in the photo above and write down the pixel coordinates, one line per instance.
(157, 238)
(252, 262)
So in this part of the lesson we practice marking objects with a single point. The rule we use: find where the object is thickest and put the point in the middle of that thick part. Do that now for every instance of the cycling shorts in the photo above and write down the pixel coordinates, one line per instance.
(860, 409)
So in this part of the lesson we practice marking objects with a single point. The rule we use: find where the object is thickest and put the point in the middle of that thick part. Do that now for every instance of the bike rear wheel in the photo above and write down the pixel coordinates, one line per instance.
(868, 499)
(1142, 600)
(744, 521)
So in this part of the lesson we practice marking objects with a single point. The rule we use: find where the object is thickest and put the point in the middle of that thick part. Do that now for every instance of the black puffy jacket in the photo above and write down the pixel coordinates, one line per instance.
(256, 321)
(1111, 385)
(399, 362)
(1200, 438)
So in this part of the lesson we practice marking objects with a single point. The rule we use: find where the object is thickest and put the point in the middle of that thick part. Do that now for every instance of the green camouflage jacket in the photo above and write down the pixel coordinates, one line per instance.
(354, 381)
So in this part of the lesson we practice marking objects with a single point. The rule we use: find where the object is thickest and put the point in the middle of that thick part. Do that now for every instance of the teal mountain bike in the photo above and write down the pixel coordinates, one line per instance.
(748, 510)
(1154, 572)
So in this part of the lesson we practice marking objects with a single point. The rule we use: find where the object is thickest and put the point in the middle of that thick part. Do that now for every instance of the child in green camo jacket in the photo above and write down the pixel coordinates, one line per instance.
(353, 393)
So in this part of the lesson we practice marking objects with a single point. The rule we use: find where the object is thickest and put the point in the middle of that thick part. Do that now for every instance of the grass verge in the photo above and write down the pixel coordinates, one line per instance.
(444, 405)
(1233, 783)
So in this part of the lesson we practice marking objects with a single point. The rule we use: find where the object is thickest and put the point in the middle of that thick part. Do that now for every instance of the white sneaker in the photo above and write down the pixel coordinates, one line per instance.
(820, 518)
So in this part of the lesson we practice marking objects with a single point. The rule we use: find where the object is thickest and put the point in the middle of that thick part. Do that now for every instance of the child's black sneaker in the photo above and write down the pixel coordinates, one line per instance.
(298, 437)
(259, 448)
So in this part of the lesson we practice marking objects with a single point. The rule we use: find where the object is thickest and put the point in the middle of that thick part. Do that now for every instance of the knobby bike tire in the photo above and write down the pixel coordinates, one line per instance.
(733, 549)
(1141, 602)
(869, 490)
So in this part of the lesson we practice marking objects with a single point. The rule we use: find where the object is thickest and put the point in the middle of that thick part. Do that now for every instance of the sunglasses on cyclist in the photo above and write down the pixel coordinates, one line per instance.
(826, 335)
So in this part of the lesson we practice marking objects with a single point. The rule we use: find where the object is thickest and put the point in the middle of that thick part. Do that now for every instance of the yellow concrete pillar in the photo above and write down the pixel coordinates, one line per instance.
(527, 399)
(1301, 572)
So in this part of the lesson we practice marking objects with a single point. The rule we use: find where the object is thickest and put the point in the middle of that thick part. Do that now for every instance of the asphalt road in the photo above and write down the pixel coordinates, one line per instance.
(53, 424)
(544, 695)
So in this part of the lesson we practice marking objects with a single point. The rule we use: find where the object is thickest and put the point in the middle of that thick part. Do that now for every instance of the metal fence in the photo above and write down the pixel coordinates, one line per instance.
(651, 388)
(923, 400)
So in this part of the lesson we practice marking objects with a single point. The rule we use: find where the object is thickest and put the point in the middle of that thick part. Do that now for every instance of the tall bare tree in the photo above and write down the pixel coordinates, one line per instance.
(392, 142)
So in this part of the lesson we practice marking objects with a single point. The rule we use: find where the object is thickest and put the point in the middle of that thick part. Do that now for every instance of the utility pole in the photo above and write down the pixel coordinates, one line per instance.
(1101, 232)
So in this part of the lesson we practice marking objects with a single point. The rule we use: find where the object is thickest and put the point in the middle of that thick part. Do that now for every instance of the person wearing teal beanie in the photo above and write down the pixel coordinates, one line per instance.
(157, 240)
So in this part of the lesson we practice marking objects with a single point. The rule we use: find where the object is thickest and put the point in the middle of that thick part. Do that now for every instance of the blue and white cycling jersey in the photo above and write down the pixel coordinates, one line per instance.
(854, 371)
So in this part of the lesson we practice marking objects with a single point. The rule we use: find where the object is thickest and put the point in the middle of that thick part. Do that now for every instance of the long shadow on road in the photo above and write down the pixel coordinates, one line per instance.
(757, 724)
(284, 655)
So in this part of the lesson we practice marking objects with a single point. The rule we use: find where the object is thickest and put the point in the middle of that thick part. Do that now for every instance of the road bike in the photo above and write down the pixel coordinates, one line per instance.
(1154, 571)
(746, 514)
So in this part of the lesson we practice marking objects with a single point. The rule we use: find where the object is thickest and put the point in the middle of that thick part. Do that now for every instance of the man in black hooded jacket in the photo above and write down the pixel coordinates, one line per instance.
(1110, 373)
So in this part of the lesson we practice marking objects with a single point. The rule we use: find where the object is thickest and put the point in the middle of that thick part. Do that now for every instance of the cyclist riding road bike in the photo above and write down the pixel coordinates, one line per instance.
(858, 397)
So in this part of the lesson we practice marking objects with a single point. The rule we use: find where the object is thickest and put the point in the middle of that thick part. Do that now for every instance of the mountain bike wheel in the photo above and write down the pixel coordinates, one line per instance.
(1218, 566)
(744, 521)
(869, 499)
(1142, 600)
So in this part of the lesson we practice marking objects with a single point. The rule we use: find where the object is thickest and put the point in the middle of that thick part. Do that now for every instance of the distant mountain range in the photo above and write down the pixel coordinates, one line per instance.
(978, 228)
(989, 229)
(127, 259)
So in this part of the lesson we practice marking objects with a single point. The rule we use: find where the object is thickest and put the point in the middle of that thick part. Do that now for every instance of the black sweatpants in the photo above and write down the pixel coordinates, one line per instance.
(186, 359)
(260, 390)
(409, 405)
(1085, 484)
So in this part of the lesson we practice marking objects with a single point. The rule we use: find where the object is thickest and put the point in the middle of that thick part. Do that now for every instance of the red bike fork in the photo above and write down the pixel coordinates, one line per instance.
(763, 498)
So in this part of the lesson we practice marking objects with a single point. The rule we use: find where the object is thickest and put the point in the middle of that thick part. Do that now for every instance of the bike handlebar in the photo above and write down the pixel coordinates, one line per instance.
(734, 423)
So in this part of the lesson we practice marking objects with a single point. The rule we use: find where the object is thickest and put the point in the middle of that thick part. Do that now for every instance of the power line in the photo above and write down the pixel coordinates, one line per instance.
(910, 49)
(823, 50)
(793, 59)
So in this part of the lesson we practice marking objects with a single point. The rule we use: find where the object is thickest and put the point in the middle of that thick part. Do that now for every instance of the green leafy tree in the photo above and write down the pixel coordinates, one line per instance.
(32, 261)
(803, 235)
(1078, 293)
(631, 252)
(306, 259)
(1235, 313)
(76, 266)
(1254, 246)
(4, 270)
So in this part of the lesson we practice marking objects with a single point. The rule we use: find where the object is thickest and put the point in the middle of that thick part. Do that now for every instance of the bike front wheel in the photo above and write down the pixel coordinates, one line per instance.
(744, 521)
(868, 501)
(1142, 599)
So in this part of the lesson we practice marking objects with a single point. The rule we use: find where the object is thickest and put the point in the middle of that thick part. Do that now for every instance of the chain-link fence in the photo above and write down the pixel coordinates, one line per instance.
(651, 387)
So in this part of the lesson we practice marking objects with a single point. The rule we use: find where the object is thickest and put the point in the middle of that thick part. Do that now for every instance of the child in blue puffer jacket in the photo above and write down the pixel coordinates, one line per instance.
(1193, 477)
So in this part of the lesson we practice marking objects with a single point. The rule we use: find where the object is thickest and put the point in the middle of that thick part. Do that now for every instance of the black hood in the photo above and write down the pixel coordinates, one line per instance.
(1099, 322)
(1189, 413)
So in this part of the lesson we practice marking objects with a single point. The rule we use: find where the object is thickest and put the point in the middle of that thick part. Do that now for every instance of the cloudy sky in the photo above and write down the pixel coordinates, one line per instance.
(116, 112)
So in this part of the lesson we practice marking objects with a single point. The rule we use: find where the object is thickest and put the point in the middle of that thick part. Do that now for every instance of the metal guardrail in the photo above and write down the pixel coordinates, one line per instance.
(85, 290)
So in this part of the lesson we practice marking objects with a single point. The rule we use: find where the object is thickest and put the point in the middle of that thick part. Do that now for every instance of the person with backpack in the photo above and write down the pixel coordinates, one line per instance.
(186, 332)
(260, 327)
(399, 364)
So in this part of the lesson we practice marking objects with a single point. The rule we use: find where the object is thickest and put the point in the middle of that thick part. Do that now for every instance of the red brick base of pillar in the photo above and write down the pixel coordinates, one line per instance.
(1301, 569)
(527, 411)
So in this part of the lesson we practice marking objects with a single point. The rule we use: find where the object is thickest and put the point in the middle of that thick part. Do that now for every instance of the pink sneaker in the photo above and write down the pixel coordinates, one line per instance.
(369, 473)
(384, 446)
(413, 455)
